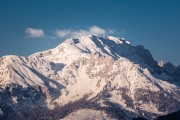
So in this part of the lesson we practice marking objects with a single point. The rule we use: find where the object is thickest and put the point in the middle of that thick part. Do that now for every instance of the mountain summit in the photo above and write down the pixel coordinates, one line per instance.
(92, 74)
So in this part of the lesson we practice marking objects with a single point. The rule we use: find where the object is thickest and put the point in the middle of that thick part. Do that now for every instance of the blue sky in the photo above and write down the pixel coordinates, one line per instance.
(28, 26)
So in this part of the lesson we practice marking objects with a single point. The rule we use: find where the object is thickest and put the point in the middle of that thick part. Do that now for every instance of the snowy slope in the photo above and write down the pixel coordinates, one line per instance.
(86, 114)
(108, 70)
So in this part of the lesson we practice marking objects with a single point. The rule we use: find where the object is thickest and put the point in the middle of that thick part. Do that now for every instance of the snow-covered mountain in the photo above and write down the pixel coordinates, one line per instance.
(106, 77)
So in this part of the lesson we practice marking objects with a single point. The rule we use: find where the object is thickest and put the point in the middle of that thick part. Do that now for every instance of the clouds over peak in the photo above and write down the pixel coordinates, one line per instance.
(93, 30)
(69, 33)
(34, 33)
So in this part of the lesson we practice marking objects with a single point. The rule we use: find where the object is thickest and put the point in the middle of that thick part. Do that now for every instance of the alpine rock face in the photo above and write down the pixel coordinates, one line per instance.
(90, 77)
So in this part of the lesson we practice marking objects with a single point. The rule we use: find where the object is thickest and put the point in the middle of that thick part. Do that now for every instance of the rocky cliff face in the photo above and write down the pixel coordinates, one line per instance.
(171, 70)
(105, 74)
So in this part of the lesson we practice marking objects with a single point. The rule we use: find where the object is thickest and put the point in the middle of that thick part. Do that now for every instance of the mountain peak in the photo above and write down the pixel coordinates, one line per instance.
(89, 39)
(74, 48)
(161, 63)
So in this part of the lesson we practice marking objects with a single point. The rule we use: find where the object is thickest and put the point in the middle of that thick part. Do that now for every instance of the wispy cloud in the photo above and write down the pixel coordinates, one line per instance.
(69, 33)
(93, 30)
(34, 33)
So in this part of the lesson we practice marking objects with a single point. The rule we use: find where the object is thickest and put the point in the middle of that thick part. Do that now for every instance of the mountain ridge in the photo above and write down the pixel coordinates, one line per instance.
(106, 69)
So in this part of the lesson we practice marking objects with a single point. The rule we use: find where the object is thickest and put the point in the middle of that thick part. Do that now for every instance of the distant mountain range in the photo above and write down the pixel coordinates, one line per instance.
(90, 77)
